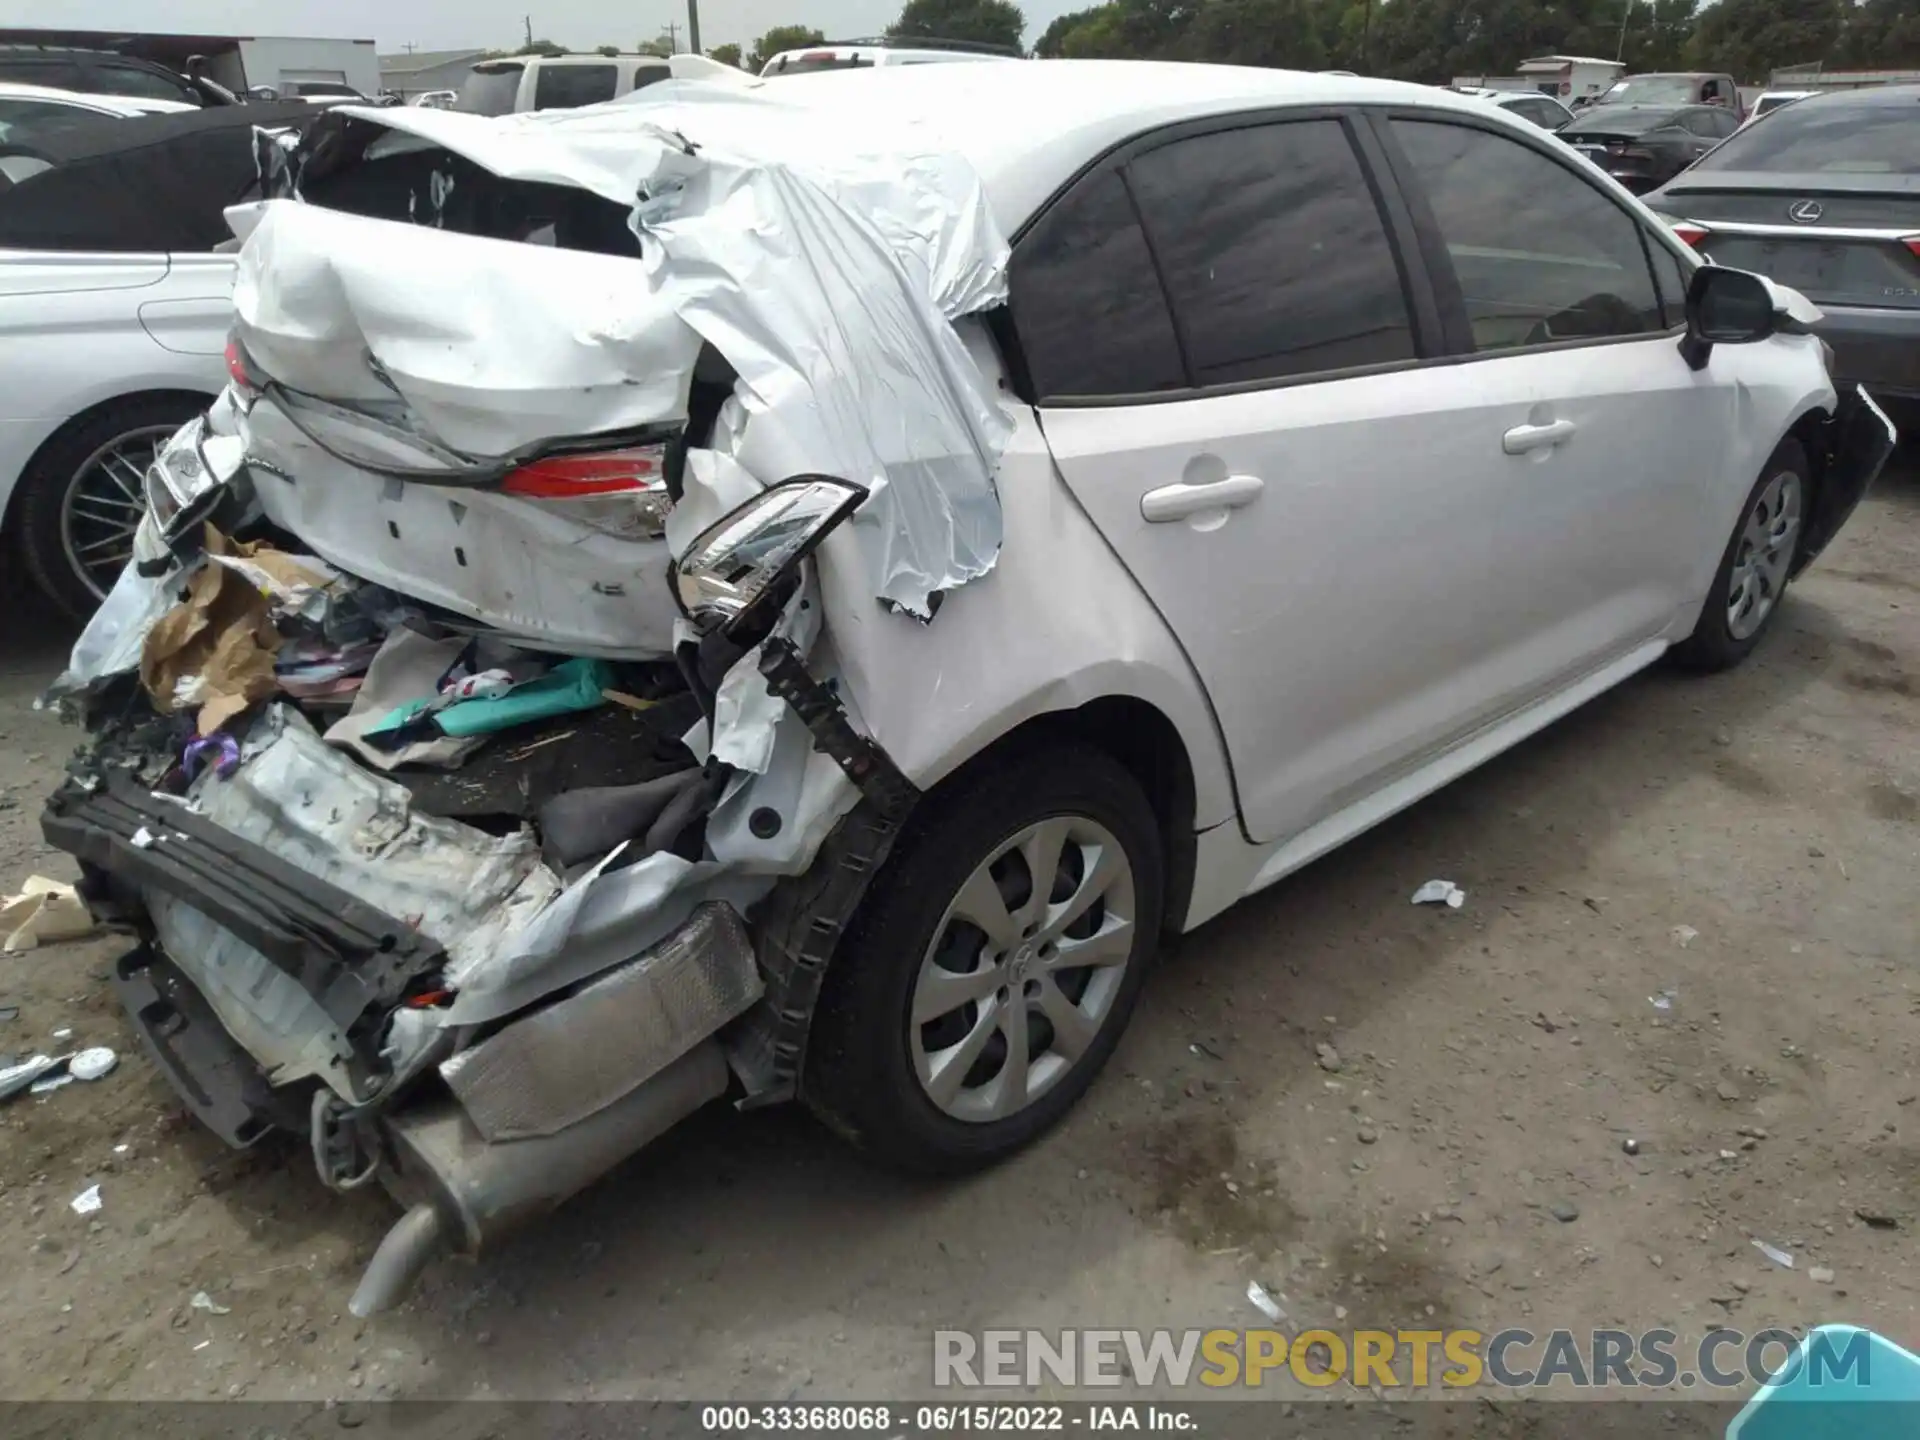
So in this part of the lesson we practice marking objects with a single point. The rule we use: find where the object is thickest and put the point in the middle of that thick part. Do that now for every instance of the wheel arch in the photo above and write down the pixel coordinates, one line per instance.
(76, 421)
(1146, 742)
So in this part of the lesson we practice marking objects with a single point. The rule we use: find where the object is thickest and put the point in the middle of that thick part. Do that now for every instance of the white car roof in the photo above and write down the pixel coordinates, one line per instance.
(1029, 128)
(124, 106)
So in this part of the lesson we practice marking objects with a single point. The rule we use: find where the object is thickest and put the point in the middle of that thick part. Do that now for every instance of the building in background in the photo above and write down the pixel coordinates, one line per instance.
(422, 71)
(285, 63)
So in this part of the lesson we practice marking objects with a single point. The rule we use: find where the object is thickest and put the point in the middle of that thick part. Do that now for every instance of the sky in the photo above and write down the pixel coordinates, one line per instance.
(482, 24)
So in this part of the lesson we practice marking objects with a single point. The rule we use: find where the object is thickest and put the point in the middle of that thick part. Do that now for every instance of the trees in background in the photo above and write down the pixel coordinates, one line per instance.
(985, 22)
(781, 37)
(1434, 40)
(728, 54)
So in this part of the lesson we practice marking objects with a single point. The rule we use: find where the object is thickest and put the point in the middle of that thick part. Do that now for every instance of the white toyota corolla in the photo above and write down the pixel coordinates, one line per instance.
(1073, 496)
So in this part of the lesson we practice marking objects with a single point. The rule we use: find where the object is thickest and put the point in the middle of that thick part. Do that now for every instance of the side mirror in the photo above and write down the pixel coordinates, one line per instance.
(1725, 307)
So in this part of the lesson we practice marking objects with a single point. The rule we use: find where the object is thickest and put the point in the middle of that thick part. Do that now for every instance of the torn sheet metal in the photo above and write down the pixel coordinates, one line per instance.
(316, 809)
(825, 267)
(546, 579)
(563, 1063)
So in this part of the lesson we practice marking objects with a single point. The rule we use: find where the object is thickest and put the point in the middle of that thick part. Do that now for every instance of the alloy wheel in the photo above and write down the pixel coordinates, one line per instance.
(1024, 968)
(1767, 542)
(103, 503)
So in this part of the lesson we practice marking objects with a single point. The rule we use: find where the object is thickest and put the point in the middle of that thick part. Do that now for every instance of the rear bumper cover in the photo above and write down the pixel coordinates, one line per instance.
(1876, 348)
(355, 961)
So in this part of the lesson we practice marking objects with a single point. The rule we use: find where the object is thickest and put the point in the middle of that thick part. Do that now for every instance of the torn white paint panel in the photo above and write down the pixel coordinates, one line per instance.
(823, 266)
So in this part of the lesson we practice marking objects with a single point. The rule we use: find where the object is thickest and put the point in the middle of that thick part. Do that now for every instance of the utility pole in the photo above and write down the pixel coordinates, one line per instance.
(1620, 50)
(1366, 36)
(693, 26)
(529, 24)
(409, 47)
(673, 38)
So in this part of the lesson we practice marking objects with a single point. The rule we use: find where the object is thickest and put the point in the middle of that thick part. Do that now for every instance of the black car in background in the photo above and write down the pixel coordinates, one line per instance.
(1824, 195)
(1643, 146)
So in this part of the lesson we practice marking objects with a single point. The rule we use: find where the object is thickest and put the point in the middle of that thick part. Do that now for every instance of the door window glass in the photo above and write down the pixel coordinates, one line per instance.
(1542, 254)
(1086, 303)
(1275, 256)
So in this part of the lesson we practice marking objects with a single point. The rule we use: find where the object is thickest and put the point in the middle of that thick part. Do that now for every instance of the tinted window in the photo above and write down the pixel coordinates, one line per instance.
(1086, 304)
(562, 87)
(493, 91)
(1542, 255)
(646, 75)
(54, 75)
(22, 122)
(143, 84)
(1816, 135)
(1275, 256)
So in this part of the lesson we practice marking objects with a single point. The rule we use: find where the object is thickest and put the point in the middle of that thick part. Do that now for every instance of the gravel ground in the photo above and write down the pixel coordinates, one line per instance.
(1388, 1115)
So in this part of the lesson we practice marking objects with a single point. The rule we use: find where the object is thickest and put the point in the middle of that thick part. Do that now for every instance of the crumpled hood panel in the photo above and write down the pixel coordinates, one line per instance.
(826, 267)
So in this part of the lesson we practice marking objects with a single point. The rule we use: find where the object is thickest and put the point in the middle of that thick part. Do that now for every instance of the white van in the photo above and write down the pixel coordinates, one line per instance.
(518, 83)
(880, 50)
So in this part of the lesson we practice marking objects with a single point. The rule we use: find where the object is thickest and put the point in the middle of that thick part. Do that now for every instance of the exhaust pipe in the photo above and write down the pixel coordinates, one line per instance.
(466, 1193)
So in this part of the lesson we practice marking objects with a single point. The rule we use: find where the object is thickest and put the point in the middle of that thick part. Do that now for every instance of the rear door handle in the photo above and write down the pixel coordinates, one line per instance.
(1523, 438)
(1177, 502)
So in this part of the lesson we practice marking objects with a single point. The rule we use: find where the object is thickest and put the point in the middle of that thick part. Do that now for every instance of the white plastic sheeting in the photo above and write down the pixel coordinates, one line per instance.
(823, 262)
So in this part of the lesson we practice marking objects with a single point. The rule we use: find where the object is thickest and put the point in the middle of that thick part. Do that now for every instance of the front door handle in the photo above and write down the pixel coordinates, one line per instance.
(1177, 502)
(1524, 438)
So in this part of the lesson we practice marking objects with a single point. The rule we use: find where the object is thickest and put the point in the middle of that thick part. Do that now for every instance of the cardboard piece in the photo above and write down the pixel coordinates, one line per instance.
(214, 649)
(43, 912)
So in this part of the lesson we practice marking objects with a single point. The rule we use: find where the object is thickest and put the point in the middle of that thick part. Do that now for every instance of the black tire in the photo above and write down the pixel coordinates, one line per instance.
(1712, 645)
(44, 483)
(860, 1076)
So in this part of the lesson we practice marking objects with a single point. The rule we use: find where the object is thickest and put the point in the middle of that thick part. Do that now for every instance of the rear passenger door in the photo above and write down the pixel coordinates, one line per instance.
(1241, 372)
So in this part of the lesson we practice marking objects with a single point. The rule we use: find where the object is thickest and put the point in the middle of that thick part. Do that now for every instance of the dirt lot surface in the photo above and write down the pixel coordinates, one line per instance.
(1388, 1115)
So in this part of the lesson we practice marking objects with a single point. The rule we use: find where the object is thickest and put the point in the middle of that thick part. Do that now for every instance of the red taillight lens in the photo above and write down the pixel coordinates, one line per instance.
(617, 492)
(240, 365)
(568, 477)
(1690, 233)
(1912, 242)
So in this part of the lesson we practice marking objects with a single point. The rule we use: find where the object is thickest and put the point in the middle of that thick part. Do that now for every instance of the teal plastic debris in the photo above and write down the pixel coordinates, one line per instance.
(1841, 1383)
(567, 689)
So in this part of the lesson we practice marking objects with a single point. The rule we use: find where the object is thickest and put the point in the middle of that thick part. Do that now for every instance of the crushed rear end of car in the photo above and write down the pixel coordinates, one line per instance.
(467, 752)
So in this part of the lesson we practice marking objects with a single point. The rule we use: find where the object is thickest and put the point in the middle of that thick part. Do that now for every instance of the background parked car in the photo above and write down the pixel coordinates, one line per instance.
(29, 113)
(1825, 197)
(1643, 146)
(103, 72)
(1543, 110)
(566, 82)
(114, 312)
(1770, 100)
(1675, 88)
(884, 50)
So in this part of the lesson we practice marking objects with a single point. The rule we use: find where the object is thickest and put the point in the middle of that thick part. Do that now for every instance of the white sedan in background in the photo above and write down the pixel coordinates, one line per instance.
(111, 332)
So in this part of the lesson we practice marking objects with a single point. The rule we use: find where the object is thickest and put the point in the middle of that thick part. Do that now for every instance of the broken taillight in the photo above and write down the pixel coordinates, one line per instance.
(240, 367)
(1912, 242)
(1690, 233)
(618, 492)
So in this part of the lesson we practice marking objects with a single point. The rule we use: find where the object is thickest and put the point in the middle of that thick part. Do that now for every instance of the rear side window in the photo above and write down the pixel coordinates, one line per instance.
(53, 75)
(139, 84)
(563, 87)
(1817, 136)
(492, 91)
(1542, 255)
(1086, 303)
(646, 75)
(1275, 256)
(23, 122)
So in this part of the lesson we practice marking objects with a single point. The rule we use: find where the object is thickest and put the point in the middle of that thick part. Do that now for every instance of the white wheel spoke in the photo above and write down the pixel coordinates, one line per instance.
(947, 1069)
(941, 991)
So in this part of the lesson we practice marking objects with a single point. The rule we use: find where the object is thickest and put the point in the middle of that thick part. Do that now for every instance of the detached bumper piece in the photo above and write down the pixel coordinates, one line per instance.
(357, 962)
(1860, 438)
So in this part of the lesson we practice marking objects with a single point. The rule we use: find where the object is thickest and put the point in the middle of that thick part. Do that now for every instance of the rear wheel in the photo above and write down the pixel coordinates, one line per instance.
(83, 495)
(1753, 571)
(994, 965)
